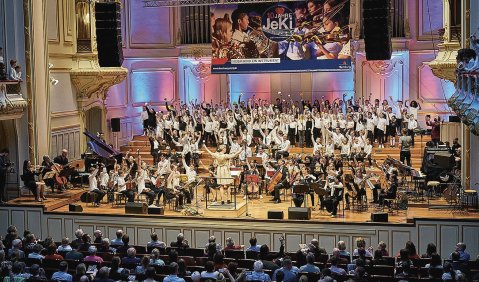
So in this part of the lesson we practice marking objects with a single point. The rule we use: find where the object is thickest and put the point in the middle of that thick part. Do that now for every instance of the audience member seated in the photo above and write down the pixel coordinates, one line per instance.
(92, 257)
(182, 269)
(290, 271)
(155, 258)
(218, 260)
(378, 258)
(411, 250)
(383, 248)
(430, 251)
(74, 255)
(98, 236)
(118, 241)
(362, 256)
(461, 249)
(155, 242)
(342, 249)
(141, 269)
(309, 266)
(360, 275)
(117, 272)
(78, 241)
(337, 254)
(314, 248)
(130, 257)
(180, 242)
(457, 263)
(105, 246)
(406, 270)
(86, 243)
(37, 273)
(279, 276)
(16, 247)
(122, 249)
(62, 273)
(81, 275)
(173, 274)
(103, 275)
(18, 272)
(230, 245)
(212, 241)
(450, 274)
(211, 251)
(151, 274)
(29, 242)
(258, 273)
(403, 258)
(210, 272)
(436, 262)
(335, 269)
(10, 236)
(361, 244)
(35, 254)
(65, 246)
(52, 253)
(253, 245)
(268, 258)
(173, 256)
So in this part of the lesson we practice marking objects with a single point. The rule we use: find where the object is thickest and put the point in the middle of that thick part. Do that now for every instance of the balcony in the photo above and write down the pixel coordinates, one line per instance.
(12, 104)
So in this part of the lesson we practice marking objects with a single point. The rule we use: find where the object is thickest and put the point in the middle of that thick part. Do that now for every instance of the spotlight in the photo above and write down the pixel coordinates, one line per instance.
(53, 81)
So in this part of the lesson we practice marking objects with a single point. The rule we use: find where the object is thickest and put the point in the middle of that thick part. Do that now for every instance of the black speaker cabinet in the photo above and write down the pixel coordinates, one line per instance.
(379, 217)
(115, 124)
(108, 34)
(75, 208)
(377, 29)
(136, 208)
(454, 119)
(275, 215)
(299, 213)
(156, 210)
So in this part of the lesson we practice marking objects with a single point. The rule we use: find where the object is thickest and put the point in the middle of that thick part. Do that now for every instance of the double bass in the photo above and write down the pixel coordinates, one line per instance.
(275, 180)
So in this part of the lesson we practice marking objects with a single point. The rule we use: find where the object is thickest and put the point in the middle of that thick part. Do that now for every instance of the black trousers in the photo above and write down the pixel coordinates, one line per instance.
(331, 204)
(316, 133)
(154, 153)
(129, 194)
(386, 196)
(277, 189)
(3, 182)
(99, 195)
(360, 194)
(405, 156)
(410, 132)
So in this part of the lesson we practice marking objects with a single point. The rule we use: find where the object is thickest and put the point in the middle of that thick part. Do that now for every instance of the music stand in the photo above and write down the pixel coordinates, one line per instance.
(300, 189)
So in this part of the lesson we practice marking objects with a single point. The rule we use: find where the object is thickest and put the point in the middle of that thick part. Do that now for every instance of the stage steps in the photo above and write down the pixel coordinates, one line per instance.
(142, 145)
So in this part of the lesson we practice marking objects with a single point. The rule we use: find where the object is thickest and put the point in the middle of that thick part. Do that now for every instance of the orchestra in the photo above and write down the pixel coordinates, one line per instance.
(251, 136)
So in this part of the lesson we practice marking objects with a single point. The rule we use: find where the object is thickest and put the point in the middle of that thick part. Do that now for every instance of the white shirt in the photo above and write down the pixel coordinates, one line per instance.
(92, 181)
(284, 146)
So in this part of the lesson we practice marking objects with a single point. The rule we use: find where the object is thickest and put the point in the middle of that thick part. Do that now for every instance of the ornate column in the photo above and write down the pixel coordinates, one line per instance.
(36, 49)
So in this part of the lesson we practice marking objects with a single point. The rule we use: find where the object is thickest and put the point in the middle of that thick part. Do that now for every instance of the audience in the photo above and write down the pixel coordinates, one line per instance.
(98, 236)
(144, 266)
(253, 245)
(118, 240)
(180, 242)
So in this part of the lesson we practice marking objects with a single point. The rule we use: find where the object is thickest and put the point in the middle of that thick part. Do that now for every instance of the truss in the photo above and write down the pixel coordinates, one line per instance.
(182, 3)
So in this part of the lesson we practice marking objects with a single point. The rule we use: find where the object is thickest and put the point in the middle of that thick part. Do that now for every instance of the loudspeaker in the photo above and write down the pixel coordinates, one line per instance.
(299, 213)
(444, 159)
(115, 124)
(454, 119)
(108, 34)
(377, 29)
(75, 208)
(156, 210)
(379, 217)
(275, 215)
(137, 208)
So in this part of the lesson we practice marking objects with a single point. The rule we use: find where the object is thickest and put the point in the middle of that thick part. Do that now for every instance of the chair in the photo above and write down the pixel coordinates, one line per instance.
(246, 263)
(421, 262)
(252, 255)
(51, 263)
(32, 261)
(201, 260)
(195, 252)
(382, 270)
(140, 249)
(236, 254)
(311, 275)
(322, 258)
(195, 268)
(189, 260)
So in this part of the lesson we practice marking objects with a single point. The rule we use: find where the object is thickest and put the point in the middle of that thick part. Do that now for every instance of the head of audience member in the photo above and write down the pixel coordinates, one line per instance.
(209, 266)
(131, 252)
(360, 243)
(79, 233)
(232, 267)
(150, 273)
(92, 250)
(63, 267)
(180, 238)
(411, 248)
(119, 234)
(195, 276)
(435, 260)
(460, 247)
(341, 245)
(103, 273)
(98, 234)
(173, 256)
(125, 239)
(230, 242)
(253, 241)
(431, 249)
(378, 255)
(334, 261)
(455, 256)
(279, 276)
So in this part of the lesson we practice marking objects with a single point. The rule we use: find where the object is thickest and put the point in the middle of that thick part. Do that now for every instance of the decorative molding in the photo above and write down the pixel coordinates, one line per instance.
(419, 89)
(444, 65)
(64, 114)
(68, 9)
(56, 19)
(96, 82)
(12, 106)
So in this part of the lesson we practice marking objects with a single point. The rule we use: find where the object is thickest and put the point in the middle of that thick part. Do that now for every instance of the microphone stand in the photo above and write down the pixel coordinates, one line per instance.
(247, 214)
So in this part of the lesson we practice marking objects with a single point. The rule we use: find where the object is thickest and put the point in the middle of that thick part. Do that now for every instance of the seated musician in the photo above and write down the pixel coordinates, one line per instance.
(211, 182)
(283, 182)
(47, 166)
(123, 188)
(191, 180)
(308, 177)
(93, 184)
(390, 192)
(163, 166)
(357, 188)
(28, 178)
(141, 179)
(62, 159)
(172, 182)
(251, 184)
(283, 149)
(335, 196)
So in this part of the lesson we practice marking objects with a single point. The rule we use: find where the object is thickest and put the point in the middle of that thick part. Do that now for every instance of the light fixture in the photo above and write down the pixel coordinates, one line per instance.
(53, 81)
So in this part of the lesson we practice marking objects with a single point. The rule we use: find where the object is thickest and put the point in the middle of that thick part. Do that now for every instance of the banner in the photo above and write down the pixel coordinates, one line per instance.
(295, 36)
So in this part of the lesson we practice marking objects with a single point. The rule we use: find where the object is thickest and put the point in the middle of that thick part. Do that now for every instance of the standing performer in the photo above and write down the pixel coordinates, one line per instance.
(223, 172)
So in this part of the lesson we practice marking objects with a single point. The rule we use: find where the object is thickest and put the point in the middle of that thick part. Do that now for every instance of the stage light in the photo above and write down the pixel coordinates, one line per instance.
(53, 81)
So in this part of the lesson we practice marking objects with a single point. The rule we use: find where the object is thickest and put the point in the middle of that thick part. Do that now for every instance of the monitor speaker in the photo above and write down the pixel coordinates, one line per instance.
(156, 210)
(454, 119)
(299, 213)
(108, 34)
(136, 208)
(377, 29)
(115, 124)
(379, 217)
(75, 208)
(275, 215)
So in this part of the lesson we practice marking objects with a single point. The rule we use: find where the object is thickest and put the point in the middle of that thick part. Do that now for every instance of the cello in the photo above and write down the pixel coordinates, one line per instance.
(275, 179)
(59, 180)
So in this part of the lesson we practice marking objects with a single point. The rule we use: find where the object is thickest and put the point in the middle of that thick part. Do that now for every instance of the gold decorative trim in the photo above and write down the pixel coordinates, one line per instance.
(96, 82)
(444, 65)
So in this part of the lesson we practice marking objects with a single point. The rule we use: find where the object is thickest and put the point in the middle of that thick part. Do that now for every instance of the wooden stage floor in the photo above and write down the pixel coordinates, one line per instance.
(258, 208)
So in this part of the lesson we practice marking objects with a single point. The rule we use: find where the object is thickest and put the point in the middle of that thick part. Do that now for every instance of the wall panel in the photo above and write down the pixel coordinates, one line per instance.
(427, 233)
(152, 85)
(55, 228)
(160, 18)
(449, 236)
(399, 239)
(470, 236)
